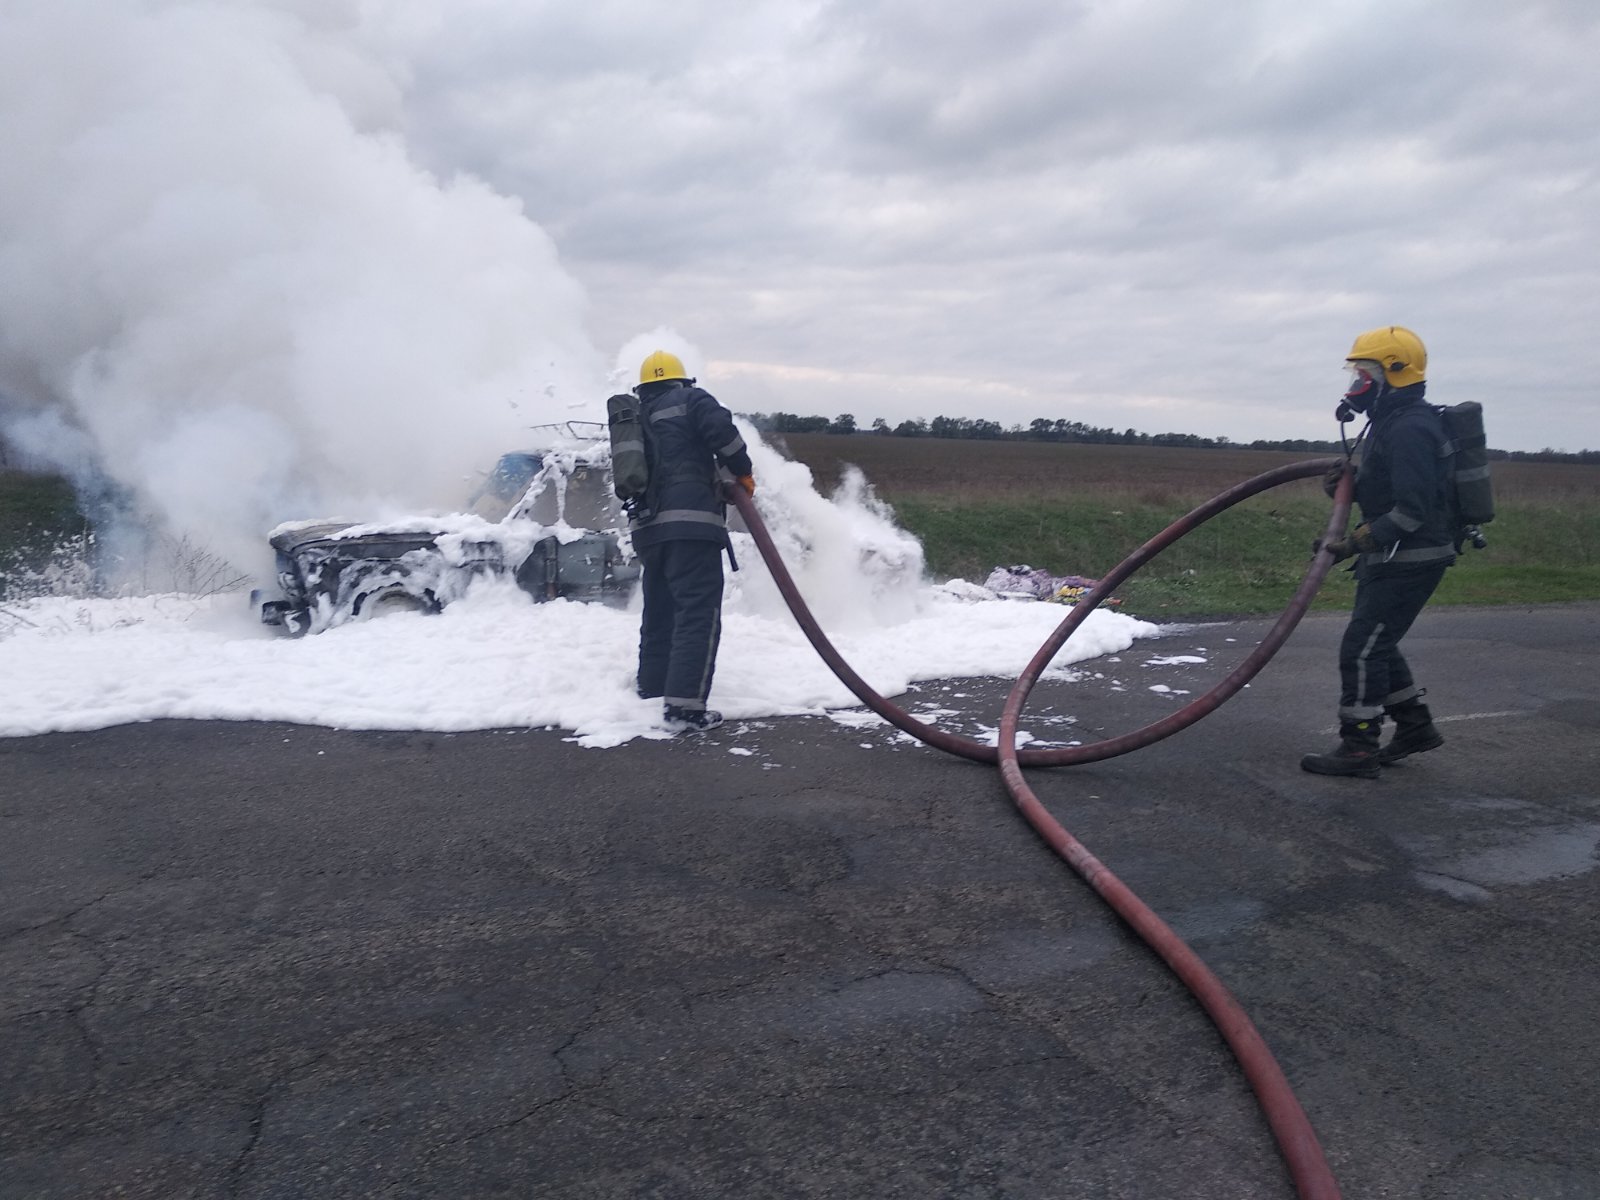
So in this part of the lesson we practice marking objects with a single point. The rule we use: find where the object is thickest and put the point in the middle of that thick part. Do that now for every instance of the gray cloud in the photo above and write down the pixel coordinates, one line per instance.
(1126, 213)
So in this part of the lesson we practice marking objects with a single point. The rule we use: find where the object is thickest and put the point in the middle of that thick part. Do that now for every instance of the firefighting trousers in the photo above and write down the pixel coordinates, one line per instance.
(1372, 671)
(682, 621)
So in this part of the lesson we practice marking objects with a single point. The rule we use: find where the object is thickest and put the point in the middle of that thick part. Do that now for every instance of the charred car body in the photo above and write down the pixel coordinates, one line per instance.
(546, 518)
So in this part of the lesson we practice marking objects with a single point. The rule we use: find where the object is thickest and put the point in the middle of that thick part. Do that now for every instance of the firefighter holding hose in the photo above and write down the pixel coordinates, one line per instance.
(680, 532)
(1402, 547)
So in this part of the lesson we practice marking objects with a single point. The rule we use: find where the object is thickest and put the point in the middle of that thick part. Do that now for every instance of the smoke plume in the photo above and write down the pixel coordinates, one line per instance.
(227, 288)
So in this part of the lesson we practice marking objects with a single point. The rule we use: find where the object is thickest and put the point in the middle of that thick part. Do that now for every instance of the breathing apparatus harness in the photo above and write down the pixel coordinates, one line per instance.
(630, 459)
(631, 453)
(1471, 489)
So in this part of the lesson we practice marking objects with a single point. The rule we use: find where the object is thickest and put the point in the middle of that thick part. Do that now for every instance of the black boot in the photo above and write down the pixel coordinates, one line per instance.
(1356, 754)
(690, 720)
(1414, 731)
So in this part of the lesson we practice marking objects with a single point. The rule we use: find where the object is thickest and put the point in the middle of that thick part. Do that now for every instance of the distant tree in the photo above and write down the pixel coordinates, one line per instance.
(1298, 445)
(944, 427)
(1548, 455)
(791, 423)
(1060, 429)
(1071, 431)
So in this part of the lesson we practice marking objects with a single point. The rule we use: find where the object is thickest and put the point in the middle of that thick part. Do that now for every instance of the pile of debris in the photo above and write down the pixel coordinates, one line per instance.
(1023, 582)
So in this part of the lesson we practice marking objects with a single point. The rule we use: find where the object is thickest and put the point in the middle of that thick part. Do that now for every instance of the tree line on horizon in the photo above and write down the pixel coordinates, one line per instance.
(1045, 429)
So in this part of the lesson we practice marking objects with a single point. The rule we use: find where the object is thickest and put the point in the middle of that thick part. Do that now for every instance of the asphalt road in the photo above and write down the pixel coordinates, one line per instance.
(797, 959)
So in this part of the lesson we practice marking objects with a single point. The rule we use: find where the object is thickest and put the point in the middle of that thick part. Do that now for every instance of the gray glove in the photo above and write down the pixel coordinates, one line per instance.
(1357, 541)
(1330, 481)
(1340, 548)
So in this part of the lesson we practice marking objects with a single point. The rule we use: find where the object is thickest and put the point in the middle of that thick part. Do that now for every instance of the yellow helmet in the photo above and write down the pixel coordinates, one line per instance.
(661, 365)
(1400, 352)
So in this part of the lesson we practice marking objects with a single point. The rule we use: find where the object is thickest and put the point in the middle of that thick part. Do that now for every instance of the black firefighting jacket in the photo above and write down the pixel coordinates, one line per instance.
(1404, 485)
(687, 434)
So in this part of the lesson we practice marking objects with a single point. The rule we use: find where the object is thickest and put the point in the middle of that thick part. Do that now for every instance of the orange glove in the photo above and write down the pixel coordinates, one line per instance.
(748, 483)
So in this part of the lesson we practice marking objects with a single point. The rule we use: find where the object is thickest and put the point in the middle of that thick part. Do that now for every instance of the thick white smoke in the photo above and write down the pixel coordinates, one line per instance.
(223, 278)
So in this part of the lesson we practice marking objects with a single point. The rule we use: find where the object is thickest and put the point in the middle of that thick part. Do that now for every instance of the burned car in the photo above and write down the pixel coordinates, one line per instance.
(546, 518)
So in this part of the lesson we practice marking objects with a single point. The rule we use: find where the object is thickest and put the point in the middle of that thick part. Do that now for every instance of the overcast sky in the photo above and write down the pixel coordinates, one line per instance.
(1152, 213)
(268, 259)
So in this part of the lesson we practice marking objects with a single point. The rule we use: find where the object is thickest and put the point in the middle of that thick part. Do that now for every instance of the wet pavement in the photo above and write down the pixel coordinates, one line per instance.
(806, 958)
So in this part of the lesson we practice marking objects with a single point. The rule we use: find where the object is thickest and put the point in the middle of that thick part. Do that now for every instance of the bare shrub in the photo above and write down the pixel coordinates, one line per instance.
(77, 567)
(193, 570)
(11, 621)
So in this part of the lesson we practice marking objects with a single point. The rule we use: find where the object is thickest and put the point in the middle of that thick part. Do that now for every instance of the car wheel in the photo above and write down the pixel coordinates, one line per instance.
(395, 601)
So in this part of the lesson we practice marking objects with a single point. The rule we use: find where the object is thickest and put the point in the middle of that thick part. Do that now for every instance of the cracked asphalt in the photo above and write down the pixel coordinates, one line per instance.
(795, 958)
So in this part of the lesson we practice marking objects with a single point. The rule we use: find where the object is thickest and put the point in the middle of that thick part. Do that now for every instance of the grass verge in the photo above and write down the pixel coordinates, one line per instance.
(1249, 559)
(1542, 545)
(1081, 509)
(37, 514)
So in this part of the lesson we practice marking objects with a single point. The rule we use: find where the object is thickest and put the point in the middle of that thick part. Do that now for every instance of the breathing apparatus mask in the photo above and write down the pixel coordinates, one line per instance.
(1367, 385)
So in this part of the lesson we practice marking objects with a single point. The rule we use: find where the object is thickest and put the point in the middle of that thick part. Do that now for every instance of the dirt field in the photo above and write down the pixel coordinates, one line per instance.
(1003, 471)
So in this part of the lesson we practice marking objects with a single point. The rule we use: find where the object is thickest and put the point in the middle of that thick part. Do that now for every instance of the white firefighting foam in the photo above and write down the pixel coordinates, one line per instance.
(495, 659)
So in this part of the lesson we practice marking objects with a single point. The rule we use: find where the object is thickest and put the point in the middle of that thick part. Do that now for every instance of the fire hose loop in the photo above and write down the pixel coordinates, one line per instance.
(1297, 1141)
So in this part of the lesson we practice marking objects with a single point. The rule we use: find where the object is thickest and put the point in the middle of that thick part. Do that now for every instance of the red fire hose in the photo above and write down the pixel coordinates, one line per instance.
(1297, 1141)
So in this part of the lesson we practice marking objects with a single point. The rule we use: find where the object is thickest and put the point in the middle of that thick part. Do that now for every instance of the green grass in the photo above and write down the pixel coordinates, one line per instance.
(32, 506)
(1246, 560)
(1080, 510)
(37, 512)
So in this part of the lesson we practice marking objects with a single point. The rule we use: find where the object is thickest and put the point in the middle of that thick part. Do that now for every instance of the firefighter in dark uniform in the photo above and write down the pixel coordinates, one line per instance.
(680, 534)
(1402, 547)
